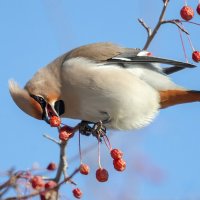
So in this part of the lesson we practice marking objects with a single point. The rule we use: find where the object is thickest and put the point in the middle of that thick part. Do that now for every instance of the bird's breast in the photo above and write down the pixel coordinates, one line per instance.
(92, 92)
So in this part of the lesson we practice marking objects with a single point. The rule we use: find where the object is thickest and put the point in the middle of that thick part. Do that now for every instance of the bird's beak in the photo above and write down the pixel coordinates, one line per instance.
(53, 109)
(45, 116)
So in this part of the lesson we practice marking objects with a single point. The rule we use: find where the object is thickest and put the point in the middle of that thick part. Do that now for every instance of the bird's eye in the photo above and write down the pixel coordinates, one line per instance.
(39, 99)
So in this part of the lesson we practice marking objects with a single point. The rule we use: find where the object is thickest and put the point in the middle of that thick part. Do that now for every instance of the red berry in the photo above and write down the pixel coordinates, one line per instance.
(55, 121)
(43, 196)
(52, 166)
(77, 193)
(50, 184)
(102, 175)
(196, 56)
(119, 164)
(116, 153)
(37, 182)
(198, 9)
(84, 169)
(187, 13)
(65, 133)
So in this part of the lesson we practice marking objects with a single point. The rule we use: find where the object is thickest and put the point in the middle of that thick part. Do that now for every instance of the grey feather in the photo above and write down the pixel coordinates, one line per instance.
(150, 59)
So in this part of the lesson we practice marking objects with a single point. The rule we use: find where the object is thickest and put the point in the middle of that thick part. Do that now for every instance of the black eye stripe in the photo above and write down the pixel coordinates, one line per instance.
(39, 99)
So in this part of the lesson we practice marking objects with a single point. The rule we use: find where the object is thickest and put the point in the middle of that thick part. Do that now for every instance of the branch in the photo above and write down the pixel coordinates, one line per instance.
(52, 139)
(177, 23)
(10, 183)
(159, 23)
(48, 190)
(147, 28)
(62, 162)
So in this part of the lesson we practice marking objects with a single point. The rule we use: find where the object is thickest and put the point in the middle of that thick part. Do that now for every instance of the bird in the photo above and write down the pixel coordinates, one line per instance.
(124, 88)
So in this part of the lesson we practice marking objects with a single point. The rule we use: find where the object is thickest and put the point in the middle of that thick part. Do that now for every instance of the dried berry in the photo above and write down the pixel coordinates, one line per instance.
(119, 164)
(37, 182)
(187, 13)
(198, 9)
(55, 121)
(77, 193)
(84, 169)
(43, 196)
(52, 166)
(116, 153)
(196, 56)
(102, 175)
(65, 133)
(50, 184)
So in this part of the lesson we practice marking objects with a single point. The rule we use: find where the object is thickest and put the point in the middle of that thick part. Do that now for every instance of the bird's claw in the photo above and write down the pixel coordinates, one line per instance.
(97, 129)
(85, 128)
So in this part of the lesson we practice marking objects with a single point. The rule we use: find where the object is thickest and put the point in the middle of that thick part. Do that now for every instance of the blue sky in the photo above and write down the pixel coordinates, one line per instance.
(35, 32)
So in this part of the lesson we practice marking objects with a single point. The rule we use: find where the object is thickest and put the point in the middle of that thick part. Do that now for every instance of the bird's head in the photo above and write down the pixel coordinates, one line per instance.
(38, 103)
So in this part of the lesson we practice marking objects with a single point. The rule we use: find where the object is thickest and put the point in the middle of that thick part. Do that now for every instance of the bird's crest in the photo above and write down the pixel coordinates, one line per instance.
(23, 100)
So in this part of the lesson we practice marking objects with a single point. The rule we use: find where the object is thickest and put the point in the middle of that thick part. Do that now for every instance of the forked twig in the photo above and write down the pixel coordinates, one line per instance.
(159, 23)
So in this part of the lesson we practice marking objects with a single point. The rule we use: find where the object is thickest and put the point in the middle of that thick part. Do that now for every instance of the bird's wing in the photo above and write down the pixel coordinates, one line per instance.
(98, 52)
(125, 57)
(130, 57)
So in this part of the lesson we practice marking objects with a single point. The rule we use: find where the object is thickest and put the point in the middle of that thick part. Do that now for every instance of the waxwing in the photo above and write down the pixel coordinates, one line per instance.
(123, 87)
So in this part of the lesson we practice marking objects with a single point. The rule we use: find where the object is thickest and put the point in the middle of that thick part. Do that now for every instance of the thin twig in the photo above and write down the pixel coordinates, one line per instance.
(6, 184)
(147, 28)
(177, 23)
(4, 192)
(198, 24)
(159, 23)
(10, 181)
(51, 189)
(52, 139)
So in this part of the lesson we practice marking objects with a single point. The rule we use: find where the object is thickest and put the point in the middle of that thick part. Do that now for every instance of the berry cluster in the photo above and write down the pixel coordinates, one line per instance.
(38, 183)
(187, 13)
(65, 132)
(43, 187)
(118, 162)
(102, 174)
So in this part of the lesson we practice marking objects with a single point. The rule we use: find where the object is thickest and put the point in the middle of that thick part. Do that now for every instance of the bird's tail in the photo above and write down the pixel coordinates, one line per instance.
(174, 97)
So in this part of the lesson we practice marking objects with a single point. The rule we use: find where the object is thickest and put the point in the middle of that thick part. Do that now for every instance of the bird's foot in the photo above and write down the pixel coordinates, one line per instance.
(85, 128)
(97, 129)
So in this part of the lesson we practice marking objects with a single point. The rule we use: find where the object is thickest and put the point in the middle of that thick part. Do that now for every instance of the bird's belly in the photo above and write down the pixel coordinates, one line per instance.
(123, 112)
(126, 107)
(99, 93)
